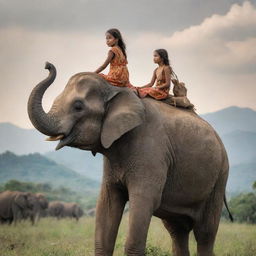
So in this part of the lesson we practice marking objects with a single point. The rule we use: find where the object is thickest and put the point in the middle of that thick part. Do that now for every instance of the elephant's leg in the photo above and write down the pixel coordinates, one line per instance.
(179, 232)
(206, 228)
(17, 213)
(33, 218)
(141, 209)
(109, 212)
(205, 240)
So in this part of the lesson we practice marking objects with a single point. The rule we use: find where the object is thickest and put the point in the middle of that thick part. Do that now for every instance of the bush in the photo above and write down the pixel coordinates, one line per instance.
(243, 207)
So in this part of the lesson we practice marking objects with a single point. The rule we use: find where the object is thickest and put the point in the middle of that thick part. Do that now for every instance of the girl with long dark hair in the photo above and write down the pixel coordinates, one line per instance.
(161, 75)
(118, 73)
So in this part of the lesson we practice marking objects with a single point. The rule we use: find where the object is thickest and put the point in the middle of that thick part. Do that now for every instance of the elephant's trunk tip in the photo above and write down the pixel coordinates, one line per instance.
(48, 65)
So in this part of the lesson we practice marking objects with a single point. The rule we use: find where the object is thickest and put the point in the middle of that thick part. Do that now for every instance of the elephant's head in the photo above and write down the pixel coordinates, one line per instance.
(42, 201)
(25, 200)
(88, 114)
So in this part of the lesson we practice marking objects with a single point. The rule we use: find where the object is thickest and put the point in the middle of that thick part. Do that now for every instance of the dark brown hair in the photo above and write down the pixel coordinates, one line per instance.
(117, 34)
(164, 56)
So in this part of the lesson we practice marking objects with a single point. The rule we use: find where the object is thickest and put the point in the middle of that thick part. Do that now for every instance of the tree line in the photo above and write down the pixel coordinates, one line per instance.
(243, 207)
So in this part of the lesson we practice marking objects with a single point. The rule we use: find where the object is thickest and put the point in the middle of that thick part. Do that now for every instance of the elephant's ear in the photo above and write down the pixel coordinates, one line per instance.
(125, 111)
(21, 200)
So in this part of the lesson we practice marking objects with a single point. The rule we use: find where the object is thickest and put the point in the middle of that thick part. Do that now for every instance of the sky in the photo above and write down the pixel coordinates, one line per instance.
(211, 46)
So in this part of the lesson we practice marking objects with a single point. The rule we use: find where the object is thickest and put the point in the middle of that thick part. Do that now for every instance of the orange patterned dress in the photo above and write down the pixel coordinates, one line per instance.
(156, 93)
(118, 73)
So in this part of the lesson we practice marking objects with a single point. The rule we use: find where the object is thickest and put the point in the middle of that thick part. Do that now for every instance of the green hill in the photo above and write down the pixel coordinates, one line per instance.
(80, 161)
(37, 168)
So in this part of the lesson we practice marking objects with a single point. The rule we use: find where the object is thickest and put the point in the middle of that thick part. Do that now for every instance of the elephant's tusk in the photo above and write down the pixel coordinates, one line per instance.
(54, 138)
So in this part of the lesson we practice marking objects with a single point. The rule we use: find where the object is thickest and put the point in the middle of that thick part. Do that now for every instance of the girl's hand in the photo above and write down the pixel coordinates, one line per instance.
(111, 55)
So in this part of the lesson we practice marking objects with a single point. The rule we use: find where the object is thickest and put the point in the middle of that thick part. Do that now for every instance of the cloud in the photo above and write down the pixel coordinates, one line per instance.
(92, 15)
(225, 43)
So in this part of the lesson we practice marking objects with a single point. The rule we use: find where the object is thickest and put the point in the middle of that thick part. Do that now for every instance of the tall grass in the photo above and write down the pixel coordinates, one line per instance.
(69, 238)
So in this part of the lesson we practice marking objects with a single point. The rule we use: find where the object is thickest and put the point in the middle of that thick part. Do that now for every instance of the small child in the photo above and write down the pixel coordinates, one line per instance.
(118, 73)
(162, 76)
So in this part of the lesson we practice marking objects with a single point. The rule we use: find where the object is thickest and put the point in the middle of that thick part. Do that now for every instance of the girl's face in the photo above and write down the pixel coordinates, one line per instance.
(157, 59)
(110, 40)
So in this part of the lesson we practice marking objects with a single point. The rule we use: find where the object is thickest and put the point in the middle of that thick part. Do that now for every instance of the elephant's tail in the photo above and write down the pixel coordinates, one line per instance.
(229, 213)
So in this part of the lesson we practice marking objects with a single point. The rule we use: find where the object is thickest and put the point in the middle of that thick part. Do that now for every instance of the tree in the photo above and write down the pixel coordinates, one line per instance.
(254, 185)
(243, 207)
(16, 185)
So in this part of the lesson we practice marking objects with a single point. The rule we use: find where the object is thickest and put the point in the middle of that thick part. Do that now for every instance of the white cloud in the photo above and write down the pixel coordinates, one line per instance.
(227, 41)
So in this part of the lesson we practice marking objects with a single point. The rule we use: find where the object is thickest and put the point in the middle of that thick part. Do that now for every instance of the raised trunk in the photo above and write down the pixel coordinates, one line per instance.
(45, 123)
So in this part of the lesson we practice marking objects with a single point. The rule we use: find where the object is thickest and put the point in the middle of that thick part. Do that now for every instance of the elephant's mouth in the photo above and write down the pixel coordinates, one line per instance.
(64, 140)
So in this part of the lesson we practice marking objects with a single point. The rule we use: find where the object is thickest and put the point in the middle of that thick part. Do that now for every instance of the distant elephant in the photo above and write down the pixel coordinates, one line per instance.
(72, 210)
(39, 207)
(55, 209)
(168, 162)
(15, 205)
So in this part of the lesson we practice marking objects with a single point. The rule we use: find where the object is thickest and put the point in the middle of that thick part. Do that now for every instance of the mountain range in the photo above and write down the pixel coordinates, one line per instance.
(231, 119)
(39, 169)
(236, 127)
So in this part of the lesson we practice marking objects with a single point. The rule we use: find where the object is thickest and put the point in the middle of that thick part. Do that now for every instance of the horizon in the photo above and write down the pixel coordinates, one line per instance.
(207, 113)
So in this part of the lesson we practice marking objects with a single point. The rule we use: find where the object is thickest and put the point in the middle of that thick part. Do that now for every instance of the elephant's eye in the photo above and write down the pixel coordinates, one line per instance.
(78, 106)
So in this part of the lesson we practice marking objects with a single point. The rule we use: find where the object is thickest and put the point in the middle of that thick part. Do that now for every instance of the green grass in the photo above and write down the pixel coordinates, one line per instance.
(68, 238)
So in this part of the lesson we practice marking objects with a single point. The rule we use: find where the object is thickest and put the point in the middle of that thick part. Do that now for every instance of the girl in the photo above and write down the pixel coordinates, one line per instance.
(118, 73)
(162, 76)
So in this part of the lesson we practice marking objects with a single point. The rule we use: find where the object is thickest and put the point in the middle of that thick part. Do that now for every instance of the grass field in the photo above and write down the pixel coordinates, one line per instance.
(68, 238)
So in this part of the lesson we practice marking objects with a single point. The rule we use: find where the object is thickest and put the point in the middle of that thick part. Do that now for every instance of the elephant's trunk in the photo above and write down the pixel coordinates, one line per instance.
(46, 123)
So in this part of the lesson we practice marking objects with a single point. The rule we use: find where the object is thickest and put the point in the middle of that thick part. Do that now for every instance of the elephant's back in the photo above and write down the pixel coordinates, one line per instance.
(199, 156)
(7, 196)
(176, 120)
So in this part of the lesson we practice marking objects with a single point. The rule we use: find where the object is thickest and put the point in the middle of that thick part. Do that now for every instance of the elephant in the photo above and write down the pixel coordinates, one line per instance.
(39, 207)
(55, 209)
(72, 210)
(15, 206)
(166, 161)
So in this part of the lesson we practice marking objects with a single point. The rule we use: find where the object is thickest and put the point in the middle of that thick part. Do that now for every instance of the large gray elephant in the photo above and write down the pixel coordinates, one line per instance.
(39, 207)
(15, 206)
(168, 162)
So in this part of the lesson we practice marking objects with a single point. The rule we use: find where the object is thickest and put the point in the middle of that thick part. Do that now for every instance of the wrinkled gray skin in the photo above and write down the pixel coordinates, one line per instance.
(55, 209)
(167, 162)
(72, 210)
(15, 205)
(39, 207)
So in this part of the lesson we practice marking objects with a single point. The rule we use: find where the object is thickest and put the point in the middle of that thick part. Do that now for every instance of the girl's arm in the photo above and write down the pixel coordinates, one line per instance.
(105, 64)
(152, 81)
(167, 72)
